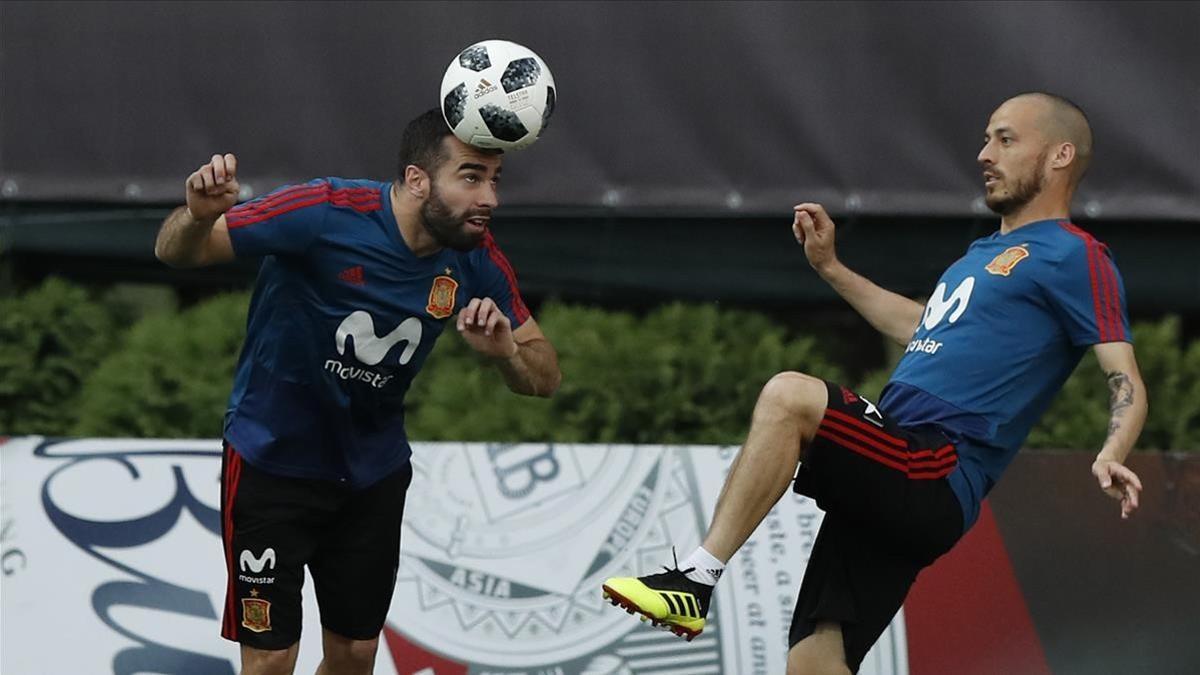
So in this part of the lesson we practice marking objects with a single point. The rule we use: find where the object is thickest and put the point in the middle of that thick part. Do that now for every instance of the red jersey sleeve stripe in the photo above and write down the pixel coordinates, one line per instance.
(287, 208)
(1114, 296)
(1109, 284)
(498, 258)
(360, 199)
(257, 211)
(1118, 307)
(1100, 288)
(281, 203)
(1092, 272)
(287, 194)
(278, 199)
(284, 195)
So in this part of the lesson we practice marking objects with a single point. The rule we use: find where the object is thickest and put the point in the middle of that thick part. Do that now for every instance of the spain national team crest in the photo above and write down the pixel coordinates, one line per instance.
(256, 614)
(441, 297)
(1004, 263)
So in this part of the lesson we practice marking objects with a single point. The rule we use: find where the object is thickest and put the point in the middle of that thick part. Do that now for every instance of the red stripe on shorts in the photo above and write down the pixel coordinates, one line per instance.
(233, 472)
(878, 433)
(922, 464)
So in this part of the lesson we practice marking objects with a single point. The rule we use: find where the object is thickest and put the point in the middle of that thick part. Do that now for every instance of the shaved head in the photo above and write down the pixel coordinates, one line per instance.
(1062, 121)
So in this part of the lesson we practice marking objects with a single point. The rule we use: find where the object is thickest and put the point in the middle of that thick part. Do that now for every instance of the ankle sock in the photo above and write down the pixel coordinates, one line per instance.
(707, 568)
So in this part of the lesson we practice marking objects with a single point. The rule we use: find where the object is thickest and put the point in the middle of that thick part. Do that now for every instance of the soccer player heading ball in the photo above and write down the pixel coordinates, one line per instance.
(902, 481)
(358, 280)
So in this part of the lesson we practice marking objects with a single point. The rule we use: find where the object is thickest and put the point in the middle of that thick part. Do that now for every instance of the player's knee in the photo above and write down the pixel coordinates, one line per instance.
(268, 662)
(815, 662)
(795, 395)
(350, 656)
(822, 668)
(821, 653)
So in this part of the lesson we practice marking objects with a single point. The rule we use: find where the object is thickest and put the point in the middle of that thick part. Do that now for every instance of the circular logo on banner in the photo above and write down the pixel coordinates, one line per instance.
(506, 545)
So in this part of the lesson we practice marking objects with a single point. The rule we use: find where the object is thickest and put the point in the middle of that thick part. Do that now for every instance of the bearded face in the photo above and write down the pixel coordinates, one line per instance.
(461, 230)
(1011, 188)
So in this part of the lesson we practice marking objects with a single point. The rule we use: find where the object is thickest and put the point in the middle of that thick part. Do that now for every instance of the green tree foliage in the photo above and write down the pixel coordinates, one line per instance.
(1079, 416)
(51, 339)
(683, 373)
(171, 377)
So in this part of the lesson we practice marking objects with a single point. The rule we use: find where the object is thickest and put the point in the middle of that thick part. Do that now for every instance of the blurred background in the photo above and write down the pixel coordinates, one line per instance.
(649, 226)
(653, 216)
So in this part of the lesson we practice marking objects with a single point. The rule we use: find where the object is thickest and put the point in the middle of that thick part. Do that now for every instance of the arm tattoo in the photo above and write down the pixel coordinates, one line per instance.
(1120, 399)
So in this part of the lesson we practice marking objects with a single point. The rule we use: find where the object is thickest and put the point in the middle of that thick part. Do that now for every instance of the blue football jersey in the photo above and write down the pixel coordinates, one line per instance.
(1005, 326)
(342, 317)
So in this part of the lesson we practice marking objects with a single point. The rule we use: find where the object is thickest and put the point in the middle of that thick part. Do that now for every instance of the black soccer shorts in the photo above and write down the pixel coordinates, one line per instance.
(273, 526)
(889, 512)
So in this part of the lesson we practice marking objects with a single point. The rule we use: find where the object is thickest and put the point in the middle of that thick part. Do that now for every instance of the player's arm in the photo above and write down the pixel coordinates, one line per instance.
(1127, 410)
(890, 313)
(524, 356)
(195, 235)
(533, 368)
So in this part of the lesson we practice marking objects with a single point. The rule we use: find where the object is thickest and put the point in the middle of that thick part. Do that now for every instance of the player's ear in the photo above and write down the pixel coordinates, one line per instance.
(1063, 155)
(416, 181)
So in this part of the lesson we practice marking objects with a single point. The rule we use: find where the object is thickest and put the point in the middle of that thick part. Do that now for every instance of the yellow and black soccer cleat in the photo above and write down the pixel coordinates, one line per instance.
(669, 599)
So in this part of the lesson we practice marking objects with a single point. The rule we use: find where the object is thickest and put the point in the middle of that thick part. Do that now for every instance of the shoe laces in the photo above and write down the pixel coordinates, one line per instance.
(675, 557)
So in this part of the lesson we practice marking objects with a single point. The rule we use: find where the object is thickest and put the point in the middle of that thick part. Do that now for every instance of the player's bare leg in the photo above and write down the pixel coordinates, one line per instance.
(821, 653)
(344, 656)
(269, 661)
(786, 417)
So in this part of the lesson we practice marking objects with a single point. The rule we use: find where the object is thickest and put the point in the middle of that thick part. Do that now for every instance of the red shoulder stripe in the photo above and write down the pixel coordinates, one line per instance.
(498, 258)
(238, 215)
(363, 200)
(1098, 300)
(1114, 296)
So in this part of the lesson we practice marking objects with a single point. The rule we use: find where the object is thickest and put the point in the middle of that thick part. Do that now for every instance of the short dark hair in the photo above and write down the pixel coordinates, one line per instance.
(421, 144)
(1067, 121)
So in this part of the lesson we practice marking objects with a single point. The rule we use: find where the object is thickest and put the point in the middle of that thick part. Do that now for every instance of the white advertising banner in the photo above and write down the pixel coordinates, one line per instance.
(112, 563)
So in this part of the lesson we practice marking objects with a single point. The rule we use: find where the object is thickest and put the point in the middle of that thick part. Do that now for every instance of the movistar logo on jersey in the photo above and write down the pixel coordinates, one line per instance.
(369, 349)
(940, 307)
(926, 346)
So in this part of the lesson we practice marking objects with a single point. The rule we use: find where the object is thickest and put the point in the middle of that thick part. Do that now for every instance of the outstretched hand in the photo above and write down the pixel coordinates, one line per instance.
(1118, 482)
(487, 329)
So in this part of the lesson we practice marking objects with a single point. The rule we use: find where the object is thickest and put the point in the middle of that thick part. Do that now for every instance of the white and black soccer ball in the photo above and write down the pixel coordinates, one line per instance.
(497, 94)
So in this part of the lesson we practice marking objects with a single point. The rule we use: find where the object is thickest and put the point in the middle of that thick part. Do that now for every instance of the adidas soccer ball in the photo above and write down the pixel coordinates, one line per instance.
(497, 94)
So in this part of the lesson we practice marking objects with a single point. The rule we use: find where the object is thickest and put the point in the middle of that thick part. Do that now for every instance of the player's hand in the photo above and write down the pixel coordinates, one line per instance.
(213, 188)
(1118, 482)
(813, 228)
(487, 329)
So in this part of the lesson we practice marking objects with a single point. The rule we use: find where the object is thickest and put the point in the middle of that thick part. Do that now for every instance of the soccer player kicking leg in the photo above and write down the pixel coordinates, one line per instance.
(785, 418)
(980, 368)
(882, 524)
(784, 426)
